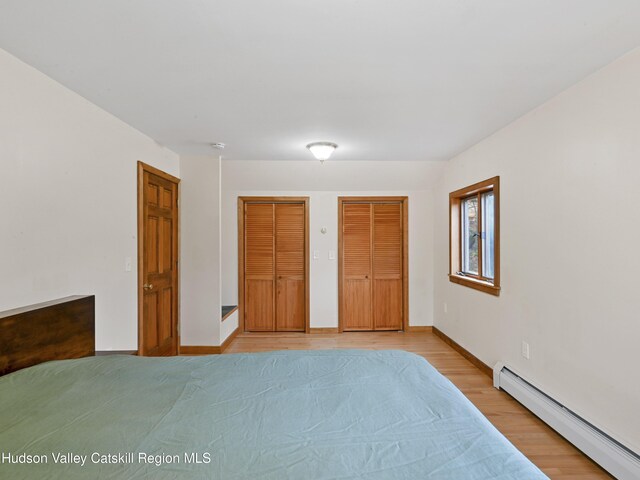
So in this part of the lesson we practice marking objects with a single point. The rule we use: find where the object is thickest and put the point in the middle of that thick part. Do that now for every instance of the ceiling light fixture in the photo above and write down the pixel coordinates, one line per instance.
(218, 145)
(322, 150)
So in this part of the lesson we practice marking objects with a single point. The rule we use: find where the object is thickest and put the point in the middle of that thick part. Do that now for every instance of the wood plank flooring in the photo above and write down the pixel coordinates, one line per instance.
(549, 451)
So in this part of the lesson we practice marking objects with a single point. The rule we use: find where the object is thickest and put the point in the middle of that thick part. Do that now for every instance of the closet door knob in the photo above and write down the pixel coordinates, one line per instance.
(148, 286)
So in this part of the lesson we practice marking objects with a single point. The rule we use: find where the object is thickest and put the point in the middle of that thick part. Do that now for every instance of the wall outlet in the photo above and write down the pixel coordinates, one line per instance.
(525, 350)
(446, 309)
(127, 264)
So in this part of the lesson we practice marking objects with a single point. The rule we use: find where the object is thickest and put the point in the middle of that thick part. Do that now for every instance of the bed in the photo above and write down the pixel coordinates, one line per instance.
(277, 415)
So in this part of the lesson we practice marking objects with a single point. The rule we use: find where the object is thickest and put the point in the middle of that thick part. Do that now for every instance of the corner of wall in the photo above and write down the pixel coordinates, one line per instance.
(200, 299)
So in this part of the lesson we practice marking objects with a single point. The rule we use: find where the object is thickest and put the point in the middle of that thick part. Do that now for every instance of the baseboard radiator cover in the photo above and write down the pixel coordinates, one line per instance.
(614, 457)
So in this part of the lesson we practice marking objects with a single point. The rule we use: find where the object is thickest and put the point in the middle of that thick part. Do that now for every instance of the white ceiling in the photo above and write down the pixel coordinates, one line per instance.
(386, 80)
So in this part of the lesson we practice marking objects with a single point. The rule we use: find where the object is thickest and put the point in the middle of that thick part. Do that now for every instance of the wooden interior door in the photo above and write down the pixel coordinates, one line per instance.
(372, 265)
(387, 266)
(274, 266)
(357, 272)
(158, 262)
(290, 266)
(259, 260)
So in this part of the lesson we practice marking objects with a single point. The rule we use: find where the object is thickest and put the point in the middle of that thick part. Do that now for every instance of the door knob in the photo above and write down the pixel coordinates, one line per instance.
(147, 286)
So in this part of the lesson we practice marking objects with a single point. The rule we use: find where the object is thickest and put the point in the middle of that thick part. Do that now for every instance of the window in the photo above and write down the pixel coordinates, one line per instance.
(474, 255)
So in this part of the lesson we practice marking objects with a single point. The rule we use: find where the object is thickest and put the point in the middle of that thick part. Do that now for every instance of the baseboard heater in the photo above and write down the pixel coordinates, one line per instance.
(610, 454)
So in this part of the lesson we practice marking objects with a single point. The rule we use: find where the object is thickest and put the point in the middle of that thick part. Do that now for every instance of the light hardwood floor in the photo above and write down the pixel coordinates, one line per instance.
(550, 452)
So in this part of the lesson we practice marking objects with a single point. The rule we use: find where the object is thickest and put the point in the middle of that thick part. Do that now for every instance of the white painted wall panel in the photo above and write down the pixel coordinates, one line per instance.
(68, 201)
(570, 172)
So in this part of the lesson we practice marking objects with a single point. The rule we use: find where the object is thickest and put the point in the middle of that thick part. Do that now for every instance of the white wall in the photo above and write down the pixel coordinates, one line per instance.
(324, 184)
(200, 311)
(68, 200)
(228, 326)
(570, 172)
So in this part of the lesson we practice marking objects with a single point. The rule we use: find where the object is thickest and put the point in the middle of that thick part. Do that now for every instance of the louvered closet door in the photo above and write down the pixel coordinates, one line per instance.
(387, 266)
(290, 265)
(356, 266)
(259, 267)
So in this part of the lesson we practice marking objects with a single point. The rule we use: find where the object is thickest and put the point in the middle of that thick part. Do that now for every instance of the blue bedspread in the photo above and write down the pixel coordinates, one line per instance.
(332, 414)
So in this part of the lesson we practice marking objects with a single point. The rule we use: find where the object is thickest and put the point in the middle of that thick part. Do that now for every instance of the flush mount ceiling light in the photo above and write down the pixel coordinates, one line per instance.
(322, 150)
(218, 145)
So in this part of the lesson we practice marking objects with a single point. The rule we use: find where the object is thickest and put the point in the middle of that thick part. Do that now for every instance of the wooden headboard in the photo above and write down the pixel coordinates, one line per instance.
(55, 330)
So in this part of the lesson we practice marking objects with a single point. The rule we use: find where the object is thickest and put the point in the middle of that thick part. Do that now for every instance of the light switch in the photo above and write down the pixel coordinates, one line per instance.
(127, 264)
(332, 254)
(316, 254)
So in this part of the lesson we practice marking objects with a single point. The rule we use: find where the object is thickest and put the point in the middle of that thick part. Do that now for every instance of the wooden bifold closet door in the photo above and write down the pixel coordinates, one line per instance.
(372, 264)
(275, 267)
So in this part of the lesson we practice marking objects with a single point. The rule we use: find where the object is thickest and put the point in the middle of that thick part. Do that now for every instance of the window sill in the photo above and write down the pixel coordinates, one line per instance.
(485, 287)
